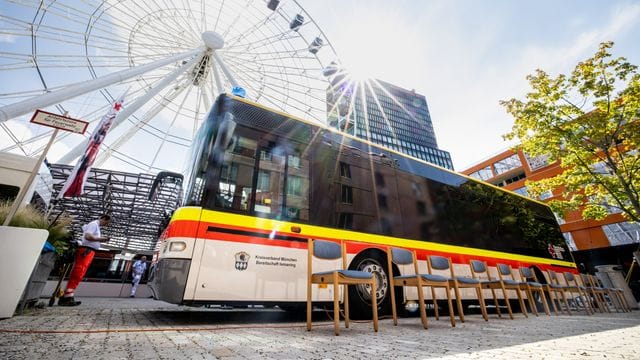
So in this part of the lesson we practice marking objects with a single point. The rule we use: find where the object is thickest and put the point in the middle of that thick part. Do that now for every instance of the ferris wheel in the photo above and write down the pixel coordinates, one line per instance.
(170, 57)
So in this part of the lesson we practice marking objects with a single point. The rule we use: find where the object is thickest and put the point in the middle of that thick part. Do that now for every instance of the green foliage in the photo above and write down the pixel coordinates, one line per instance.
(589, 121)
(28, 217)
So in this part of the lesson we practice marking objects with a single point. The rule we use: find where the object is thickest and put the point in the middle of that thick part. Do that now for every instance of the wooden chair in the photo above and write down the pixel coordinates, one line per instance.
(479, 269)
(531, 284)
(571, 289)
(574, 287)
(616, 295)
(328, 250)
(458, 282)
(400, 256)
(554, 287)
(595, 294)
(509, 282)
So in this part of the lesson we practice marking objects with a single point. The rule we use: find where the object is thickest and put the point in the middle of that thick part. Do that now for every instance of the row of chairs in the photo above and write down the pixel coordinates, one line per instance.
(585, 295)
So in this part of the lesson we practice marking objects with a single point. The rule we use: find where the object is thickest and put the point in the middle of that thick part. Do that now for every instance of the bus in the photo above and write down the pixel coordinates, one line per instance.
(260, 183)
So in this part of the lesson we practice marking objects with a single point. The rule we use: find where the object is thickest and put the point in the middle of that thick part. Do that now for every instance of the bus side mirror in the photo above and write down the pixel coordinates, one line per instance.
(164, 177)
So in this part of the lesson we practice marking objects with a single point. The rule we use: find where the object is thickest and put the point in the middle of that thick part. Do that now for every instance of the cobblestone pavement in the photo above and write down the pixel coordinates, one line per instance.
(146, 329)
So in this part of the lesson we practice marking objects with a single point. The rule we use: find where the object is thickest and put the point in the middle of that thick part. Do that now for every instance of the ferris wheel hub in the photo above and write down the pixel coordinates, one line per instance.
(213, 40)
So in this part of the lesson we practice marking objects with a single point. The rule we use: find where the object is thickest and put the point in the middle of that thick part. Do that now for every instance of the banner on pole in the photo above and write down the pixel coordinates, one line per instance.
(74, 186)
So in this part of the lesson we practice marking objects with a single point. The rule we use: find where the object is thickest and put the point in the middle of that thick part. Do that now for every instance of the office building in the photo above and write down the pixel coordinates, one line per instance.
(385, 114)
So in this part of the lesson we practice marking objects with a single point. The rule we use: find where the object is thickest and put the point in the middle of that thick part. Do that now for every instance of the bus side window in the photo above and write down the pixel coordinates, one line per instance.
(296, 206)
(236, 175)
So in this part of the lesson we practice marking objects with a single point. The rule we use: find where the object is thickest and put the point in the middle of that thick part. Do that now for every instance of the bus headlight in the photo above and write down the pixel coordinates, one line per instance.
(177, 246)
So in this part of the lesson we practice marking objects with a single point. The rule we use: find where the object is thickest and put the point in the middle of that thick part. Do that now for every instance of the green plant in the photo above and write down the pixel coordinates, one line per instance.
(29, 217)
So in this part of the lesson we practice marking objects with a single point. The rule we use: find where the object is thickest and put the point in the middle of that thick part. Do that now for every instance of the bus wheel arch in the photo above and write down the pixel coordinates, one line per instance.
(375, 261)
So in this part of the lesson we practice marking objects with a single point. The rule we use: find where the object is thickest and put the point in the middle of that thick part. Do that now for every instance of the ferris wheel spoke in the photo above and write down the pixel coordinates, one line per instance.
(135, 105)
(21, 108)
(141, 123)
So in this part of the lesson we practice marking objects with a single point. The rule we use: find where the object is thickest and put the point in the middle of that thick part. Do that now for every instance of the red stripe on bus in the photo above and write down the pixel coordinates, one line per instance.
(192, 229)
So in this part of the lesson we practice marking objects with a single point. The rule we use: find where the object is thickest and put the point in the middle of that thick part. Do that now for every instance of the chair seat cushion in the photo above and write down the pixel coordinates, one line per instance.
(467, 280)
(511, 282)
(348, 273)
(431, 277)
(534, 284)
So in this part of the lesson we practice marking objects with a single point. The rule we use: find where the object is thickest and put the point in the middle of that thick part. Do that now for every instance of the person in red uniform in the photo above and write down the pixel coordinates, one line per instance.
(91, 239)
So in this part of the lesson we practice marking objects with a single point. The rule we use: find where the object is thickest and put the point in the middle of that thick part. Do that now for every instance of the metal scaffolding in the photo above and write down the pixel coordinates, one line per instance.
(136, 220)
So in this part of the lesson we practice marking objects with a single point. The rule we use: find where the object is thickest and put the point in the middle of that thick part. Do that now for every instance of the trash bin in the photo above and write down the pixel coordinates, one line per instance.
(611, 276)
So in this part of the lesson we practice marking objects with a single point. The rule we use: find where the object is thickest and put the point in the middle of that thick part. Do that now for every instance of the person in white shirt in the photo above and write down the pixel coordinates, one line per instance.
(91, 239)
(137, 270)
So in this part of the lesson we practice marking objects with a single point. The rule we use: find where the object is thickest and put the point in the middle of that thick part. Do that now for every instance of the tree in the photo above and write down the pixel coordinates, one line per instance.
(589, 122)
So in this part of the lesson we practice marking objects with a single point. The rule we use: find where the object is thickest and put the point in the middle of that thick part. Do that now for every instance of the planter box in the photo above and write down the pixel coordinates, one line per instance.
(21, 248)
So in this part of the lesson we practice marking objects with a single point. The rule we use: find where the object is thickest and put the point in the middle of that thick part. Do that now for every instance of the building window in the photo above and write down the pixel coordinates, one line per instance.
(345, 170)
(382, 201)
(510, 163)
(345, 221)
(294, 185)
(347, 194)
(379, 179)
(522, 191)
(483, 174)
(545, 195)
(622, 233)
(537, 162)
(568, 238)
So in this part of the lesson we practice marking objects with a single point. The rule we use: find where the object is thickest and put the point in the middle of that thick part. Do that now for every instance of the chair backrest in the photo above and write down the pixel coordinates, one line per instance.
(435, 262)
(401, 256)
(326, 250)
(528, 274)
(479, 267)
(505, 272)
(553, 277)
(584, 278)
(570, 279)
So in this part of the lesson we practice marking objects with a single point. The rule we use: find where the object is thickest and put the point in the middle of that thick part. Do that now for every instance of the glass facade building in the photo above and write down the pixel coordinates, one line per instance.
(385, 114)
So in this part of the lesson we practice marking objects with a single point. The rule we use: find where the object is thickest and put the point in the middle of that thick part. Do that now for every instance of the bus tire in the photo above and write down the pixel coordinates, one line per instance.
(360, 295)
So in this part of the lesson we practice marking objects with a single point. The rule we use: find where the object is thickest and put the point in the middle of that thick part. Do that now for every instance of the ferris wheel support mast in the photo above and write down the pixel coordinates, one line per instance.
(134, 106)
(26, 106)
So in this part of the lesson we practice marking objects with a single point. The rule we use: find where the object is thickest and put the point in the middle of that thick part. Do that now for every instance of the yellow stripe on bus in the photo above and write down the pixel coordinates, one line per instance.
(210, 216)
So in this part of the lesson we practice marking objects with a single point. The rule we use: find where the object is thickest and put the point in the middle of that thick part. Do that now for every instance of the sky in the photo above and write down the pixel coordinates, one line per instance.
(465, 56)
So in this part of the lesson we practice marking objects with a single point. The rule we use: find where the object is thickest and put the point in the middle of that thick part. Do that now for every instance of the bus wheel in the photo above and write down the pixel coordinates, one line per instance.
(360, 295)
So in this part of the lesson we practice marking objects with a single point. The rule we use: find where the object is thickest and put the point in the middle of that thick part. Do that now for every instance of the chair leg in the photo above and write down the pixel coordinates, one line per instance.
(394, 311)
(346, 306)
(374, 305)
(452, 316)
(483, 306)
(566, 302)
(458, 301)
(521, 300)
(553, 297)
(336, 307)
(495, 302)
(506, 300)
(422, 306)
(435, 303)
(309, 306)
(532, 305)
(544, 302)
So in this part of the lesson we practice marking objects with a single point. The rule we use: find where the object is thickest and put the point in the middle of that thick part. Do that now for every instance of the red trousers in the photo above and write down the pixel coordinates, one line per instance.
(84, 256)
